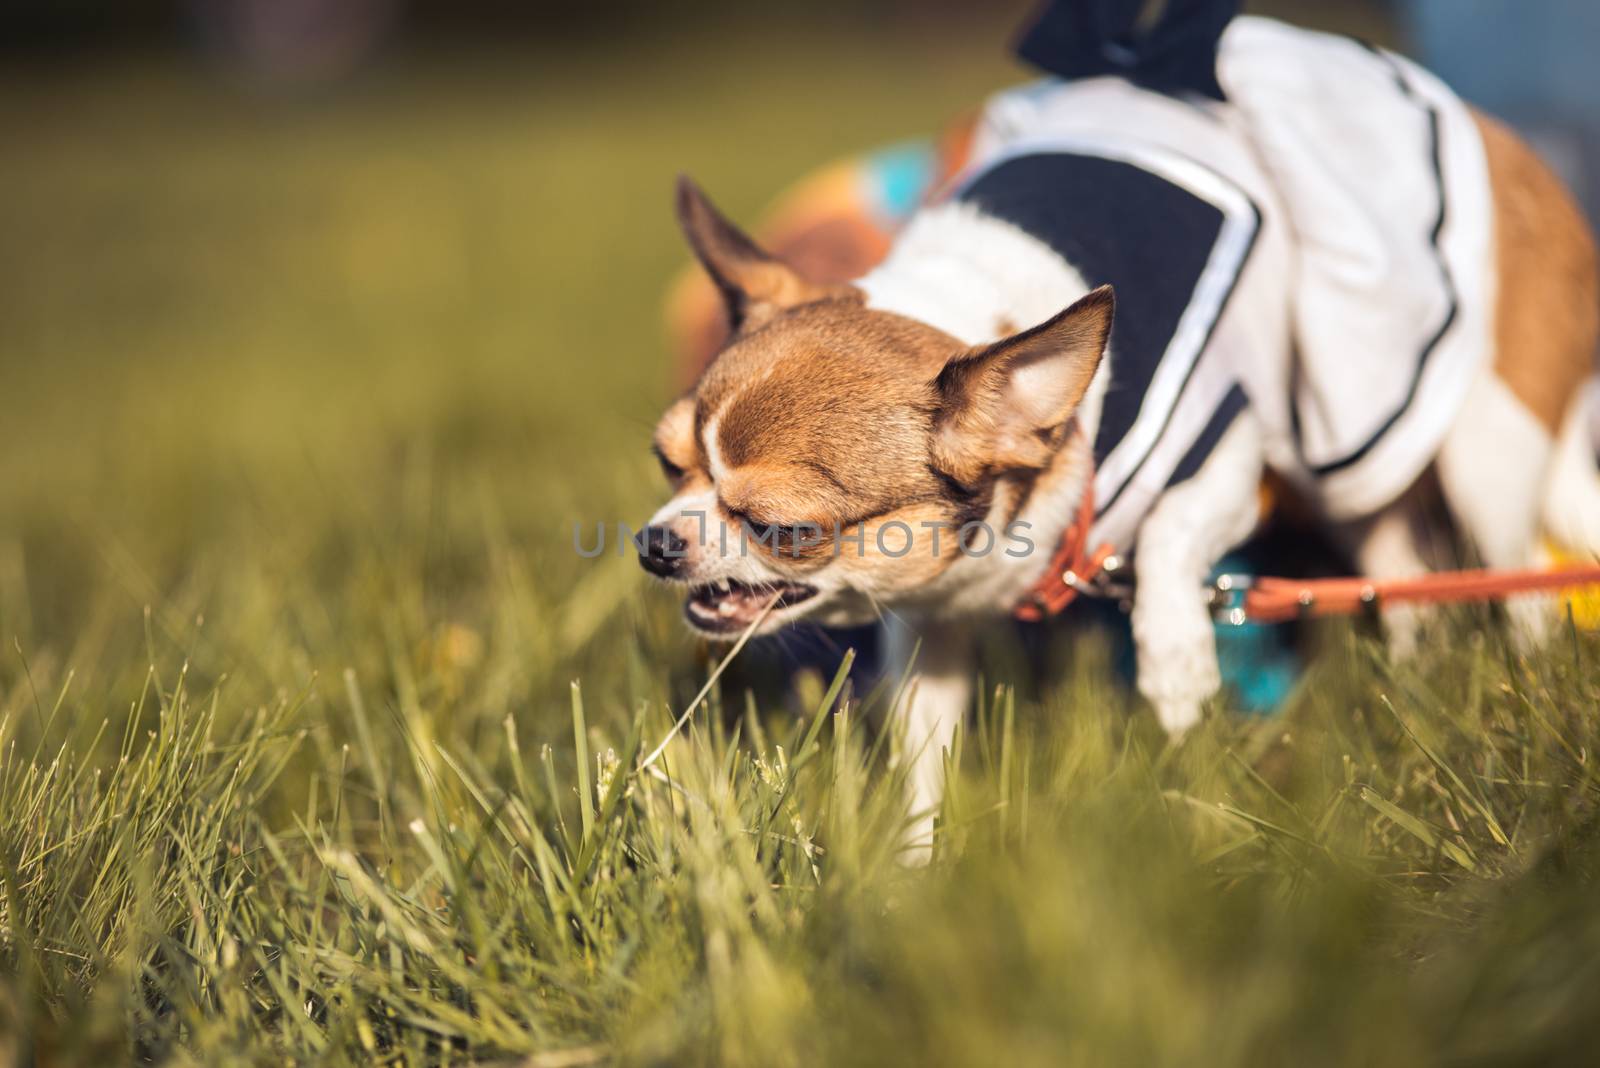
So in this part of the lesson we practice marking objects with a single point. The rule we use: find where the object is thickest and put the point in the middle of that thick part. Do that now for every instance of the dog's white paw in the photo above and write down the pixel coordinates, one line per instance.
(1178, 715)
(1177, 672)
(1178, 690)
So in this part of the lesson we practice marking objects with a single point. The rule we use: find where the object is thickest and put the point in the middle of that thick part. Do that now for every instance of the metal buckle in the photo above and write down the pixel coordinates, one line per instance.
(1227, 598)
(1104, 585)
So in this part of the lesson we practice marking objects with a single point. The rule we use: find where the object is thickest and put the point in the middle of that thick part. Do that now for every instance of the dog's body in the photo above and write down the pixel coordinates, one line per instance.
(886, 416)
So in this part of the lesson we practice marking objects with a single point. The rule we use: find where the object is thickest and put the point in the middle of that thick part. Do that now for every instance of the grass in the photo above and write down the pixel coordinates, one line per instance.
(301, 398)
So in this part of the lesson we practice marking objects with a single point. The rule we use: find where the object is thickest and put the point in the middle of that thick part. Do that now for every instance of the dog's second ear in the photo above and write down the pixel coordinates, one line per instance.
(1005, 406)
(754, 285)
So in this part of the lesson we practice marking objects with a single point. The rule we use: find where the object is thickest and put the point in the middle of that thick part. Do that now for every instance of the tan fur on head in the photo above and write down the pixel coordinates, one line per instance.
(821, 416)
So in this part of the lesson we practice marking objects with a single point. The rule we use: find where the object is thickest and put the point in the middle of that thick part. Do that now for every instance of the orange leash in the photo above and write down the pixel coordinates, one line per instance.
(1242, 599)
(1274, 600)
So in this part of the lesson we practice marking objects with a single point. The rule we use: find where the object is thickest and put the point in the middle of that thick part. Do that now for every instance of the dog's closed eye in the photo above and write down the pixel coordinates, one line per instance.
(782, 537)
(758, 529)
(673, 472)
(764, 531)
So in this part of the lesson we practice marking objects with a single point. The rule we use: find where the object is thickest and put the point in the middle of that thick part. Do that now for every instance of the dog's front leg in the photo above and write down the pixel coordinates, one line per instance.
(926, 716)
(1191, 526)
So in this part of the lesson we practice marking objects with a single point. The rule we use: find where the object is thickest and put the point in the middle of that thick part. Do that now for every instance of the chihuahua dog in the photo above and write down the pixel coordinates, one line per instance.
(912, 447)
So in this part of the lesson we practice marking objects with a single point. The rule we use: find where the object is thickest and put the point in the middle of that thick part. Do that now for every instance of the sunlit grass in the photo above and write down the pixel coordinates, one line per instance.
(1401, 869)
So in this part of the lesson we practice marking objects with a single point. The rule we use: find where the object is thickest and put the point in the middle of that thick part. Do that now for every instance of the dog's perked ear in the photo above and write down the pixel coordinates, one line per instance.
(1005, 406)
(754, 284)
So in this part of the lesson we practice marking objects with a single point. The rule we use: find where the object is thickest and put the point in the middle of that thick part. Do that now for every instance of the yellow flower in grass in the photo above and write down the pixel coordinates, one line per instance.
(1585, 600)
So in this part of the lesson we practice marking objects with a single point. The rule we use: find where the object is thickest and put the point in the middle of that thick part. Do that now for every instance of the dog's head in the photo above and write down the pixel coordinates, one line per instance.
(828, 457)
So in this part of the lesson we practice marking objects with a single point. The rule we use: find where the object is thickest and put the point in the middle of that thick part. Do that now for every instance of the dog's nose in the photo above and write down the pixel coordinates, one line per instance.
(661, 552)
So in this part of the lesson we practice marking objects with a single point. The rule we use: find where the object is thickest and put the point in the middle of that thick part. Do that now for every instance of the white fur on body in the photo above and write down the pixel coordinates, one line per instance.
(1571, 506)
(1493, 469)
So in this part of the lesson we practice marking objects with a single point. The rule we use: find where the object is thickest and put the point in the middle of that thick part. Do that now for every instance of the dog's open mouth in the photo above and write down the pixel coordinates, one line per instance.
(723, 607)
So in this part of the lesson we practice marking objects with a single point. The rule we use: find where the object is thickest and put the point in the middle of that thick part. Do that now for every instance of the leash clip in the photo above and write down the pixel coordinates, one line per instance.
(1104, 584)
(1227, 598)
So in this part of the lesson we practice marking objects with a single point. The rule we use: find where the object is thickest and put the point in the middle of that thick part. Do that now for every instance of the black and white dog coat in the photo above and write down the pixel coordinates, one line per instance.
(1317, 248)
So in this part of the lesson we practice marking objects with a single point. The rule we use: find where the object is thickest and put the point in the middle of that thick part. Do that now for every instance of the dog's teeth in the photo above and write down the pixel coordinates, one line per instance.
(726, 608)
